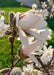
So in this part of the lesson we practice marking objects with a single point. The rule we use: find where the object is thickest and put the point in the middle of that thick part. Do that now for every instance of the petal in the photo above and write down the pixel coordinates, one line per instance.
(33, 58)
(45, 48)
(28, 21)
(17, 19)
(39, 25)
(36, 45)
(24, 39)
(41, 34)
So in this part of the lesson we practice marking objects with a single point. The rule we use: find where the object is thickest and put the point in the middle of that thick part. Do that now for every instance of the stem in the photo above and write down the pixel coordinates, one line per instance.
(11, 39)
(12, 52)
(13, 66)
(15, 62)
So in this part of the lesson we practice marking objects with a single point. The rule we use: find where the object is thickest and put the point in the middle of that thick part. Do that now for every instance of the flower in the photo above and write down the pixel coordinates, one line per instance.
(3, 27)
(28, 45)
(47, 55)
(44, 13)
(31, 21)
(28, 21)
(44, 5)
(34, 25)
(28, 68)
(42, 34)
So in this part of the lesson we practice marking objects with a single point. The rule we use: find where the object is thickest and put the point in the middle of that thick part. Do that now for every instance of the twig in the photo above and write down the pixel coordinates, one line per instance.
(12, 42)
(11, 39)
(13, 66)
(12, 54)
(16, 62)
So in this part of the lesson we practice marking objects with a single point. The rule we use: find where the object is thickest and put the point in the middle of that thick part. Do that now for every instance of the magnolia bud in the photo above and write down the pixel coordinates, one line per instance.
(20, 53)
(4, 71)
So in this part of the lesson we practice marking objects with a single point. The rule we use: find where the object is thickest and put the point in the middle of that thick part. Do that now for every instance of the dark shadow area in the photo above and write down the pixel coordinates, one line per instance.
(10, 3)
(51, 23)
(51, 26)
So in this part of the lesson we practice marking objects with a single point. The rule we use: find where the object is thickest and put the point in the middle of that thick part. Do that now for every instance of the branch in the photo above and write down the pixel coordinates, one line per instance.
(11, 39)
(16, 62)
